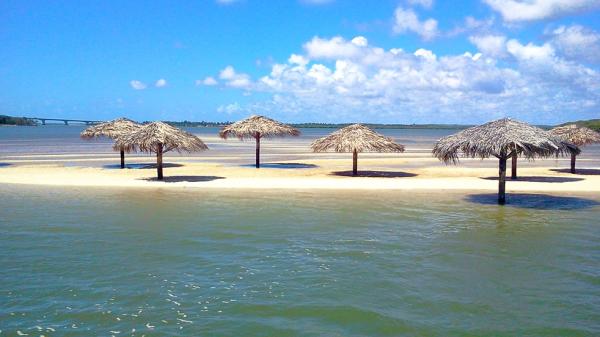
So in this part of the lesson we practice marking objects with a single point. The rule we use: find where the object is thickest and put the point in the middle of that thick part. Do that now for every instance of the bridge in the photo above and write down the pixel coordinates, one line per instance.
(43, 120)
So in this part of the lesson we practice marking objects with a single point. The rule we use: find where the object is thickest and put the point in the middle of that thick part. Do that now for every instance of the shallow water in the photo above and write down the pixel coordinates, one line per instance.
(156, 262)
(61, 144)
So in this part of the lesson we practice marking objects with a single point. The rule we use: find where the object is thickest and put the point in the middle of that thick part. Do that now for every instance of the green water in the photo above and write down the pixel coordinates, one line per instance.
(99, 262)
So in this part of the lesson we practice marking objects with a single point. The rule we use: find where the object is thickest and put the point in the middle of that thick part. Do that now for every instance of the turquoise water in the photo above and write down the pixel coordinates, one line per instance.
(153, 262)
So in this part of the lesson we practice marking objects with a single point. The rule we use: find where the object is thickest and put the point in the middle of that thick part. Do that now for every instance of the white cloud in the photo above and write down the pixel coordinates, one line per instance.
(234, 79)
(229, 108)
(577, 43)
(373, 84)
(406, 20)
(424, 3)
(208, 81)
(532, 10)
(360, 41)
(160, 83)
(298, 59)
(426, 54)
(490, 45)
(336, 47)
(530, 52)
(137, 85)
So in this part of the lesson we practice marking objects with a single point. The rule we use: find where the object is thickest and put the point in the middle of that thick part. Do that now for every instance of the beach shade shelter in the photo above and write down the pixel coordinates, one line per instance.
(578, 135)
(257, 127)
(356, 138)
(502, 139)
(159, 138)
(113, 130)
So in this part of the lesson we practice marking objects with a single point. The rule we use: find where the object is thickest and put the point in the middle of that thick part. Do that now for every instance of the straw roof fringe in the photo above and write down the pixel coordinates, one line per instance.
(112, 129)
(150, 136)
(356, 137)
(499, 138)
(578, 135)
(254, 125)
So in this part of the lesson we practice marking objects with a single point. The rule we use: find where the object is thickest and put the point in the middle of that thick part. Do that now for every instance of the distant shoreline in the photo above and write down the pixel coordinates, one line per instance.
(24, 121)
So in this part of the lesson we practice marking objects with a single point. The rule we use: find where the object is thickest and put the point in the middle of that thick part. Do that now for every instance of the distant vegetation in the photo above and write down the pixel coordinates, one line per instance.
(327, 125)
(8, 120)
(593, 124)
(189, 124)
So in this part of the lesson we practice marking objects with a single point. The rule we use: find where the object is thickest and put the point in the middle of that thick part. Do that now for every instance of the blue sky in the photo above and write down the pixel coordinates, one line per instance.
(408, 61)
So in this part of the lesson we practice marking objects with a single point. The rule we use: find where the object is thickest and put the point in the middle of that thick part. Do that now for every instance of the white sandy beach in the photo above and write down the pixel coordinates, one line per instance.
(322, 176)
(69, 161)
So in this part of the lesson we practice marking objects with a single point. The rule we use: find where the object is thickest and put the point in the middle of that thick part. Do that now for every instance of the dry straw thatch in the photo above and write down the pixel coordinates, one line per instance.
(503, 138)
(113, 129)
(257, 127)
(158, 137)
(578, 135)
(356, 138)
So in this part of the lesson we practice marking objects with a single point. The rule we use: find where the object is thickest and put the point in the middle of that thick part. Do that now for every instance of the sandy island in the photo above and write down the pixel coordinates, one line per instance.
(314, 174)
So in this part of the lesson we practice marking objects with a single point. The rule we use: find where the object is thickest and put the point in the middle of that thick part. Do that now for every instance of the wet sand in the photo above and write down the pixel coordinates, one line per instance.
(287, 164)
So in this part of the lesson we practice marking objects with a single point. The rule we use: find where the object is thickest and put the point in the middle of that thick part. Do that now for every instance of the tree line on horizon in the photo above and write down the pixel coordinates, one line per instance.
(593, 124)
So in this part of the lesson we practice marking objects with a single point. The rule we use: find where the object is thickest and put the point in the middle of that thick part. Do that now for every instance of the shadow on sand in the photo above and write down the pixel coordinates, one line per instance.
(139, 166)
(283, 165)
(583, 172)
(535, 201)
(539, 179)
(374, 174)
(189, 179)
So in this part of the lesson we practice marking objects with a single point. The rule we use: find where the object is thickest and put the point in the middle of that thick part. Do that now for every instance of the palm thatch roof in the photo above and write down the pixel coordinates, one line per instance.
(357, 138)
(150, 137)
(502, 138)
(578, 135)
(257, 126)
(112, 129)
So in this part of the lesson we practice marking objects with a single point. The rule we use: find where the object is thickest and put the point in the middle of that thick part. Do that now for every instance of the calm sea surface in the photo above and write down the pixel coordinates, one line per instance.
(61, 144)
(155, 262)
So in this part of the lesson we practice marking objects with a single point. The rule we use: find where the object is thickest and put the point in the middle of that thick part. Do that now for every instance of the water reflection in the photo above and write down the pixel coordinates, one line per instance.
(540, 179)
(375, 174)
(191, 179)
(535, 201)
(585, 172)
(140, 166)
(283, 165)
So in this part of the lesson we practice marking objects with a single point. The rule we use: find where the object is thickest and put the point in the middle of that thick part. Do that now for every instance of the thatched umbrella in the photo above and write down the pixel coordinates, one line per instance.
(578, 135)
(501, 139)
(113, 130)
(356, 138)
(159, 138)
(257, 127)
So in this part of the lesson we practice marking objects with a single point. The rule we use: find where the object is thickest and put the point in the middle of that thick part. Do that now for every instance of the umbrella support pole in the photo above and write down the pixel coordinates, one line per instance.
(354, 163)
(122, 159)
(502, 182)
(258, 151)
(159, 162)
(514, 167)
(573, 158)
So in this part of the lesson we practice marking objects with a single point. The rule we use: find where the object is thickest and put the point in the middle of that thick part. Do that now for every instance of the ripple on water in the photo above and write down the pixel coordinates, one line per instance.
(179, 263)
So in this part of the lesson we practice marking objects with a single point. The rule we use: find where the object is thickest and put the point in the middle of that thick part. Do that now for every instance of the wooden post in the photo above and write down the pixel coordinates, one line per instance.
(354, 163)
(257, 150)
(159, 161)
(122, 159)
(514, 166)
(502, 181)
(573, 156)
